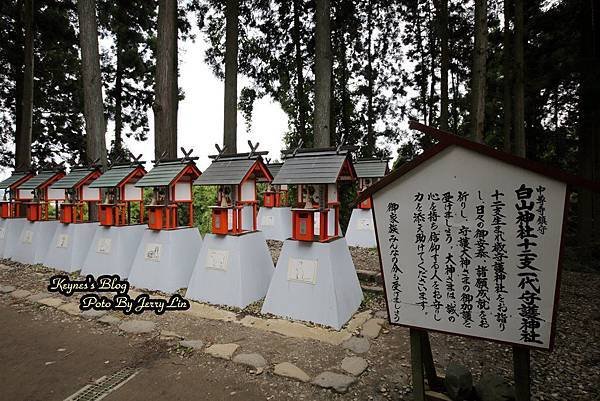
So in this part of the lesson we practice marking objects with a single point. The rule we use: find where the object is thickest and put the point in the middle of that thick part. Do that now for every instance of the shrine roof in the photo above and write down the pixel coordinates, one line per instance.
(39, 180)
(74, 178)
(371, 168)
(13, 179)
(312, 166)
(229, 169)
(114, 176)
(164, 173)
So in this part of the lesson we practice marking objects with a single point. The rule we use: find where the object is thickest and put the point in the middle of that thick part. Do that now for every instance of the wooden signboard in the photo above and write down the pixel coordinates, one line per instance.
(470, 242)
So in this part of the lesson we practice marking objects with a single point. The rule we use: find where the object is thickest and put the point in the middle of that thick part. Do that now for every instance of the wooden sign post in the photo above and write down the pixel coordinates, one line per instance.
(470, 241)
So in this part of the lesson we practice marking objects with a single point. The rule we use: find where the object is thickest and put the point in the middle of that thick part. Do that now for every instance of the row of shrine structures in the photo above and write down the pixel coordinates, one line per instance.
(45, 219)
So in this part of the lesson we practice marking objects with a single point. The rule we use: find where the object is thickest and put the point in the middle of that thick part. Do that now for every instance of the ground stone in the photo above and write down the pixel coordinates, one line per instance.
(109, 319)
(358, 345)
(93, 313)
(459, 382)
(336, 381)
(291, 371)
(137, 326)
(492, 387)
(71, 308)
(5, 289)
(381, 314)
(20, 294)
(354, 365)
(52, 302)
(255, 361)
(372, 328)
(194, 344)
(167, 334)
(37, 296)
(223, 351)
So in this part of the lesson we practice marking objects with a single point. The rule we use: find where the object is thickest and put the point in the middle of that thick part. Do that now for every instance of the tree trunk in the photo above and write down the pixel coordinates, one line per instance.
(589, 147)
(23, 140)
(479, 71)
(165, 97)
(118, 146)
(432, 63)
(519, 74)
(322, 74)
(231, 69)
(370, 142)
(442, 18)
(421, 51)
(508, 75)
(93, 107)
(300, 96)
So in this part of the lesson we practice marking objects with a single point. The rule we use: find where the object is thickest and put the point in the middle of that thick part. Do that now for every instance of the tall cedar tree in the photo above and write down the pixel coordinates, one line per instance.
(165, 101)
(231, 70)
(519, 68)
(23, 139)
(478, 82)
(323, 65)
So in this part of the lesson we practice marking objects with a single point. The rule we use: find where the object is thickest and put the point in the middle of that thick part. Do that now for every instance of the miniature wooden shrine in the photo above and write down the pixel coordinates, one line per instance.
(316, 173)
(10, 205)
(37, 195)
(77, 193)
(368, 172)
(236, 176)
(171, 183)
(275, 195)
(120, 192)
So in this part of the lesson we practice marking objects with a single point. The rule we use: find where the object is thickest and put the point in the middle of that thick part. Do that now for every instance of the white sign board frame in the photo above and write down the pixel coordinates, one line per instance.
(408, 275)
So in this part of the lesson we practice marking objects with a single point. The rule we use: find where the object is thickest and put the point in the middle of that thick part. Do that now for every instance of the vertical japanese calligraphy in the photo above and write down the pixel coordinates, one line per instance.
(392, 210)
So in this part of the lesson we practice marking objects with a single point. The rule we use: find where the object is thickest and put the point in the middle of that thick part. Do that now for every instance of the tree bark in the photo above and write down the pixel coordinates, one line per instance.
(520, 146)
(23, 137)
(300, 95)
(432, 63)
(478, 81)
(118, 146)
(93, 107)
(165, 100)
(589, 146)
(231, 69)
(508, 76)
(442, 17)
(370, 142)
(323, 65)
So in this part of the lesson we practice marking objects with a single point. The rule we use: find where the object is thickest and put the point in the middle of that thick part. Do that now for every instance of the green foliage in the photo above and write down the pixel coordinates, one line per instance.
(204, 196)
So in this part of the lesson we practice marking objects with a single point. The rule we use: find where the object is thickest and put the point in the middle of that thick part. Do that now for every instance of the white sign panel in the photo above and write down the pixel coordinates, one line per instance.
(364, 224)
(267, 221)
(153, 252)
(27, 237)
(104, 245)
(302, 270)
(470, 246)
(62, 241)
(217, 259)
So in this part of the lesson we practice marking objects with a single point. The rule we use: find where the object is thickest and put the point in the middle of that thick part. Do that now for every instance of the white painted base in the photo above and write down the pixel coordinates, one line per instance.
(113, 250)
(361, 230)
(315, 282)
(69, 246)
(165, 259)
(275, 222)
(10, 233)
(34, 241)
(231, 270)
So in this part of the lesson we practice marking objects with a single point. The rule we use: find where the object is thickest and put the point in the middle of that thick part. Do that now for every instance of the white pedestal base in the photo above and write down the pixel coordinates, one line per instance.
(275, 222)
(34, 241)
(361, 230)
(315, 282)
(10, 233)
(165, 259)
(69, 246)
(232, 270)
(112, 250)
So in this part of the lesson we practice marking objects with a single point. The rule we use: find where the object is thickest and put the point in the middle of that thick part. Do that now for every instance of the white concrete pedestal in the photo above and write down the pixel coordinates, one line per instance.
(34, 241)
(113, 250)
(69, 246)
(10, 233)
(361, 230)
(314, 282)
(165, 259)
(232, 270)
(275, 222)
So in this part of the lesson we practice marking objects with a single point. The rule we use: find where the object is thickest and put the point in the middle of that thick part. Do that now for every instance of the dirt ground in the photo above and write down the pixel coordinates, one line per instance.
(49, 355)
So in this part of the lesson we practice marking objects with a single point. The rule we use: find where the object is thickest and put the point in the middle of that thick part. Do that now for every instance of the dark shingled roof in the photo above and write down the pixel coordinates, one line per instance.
(375, 168)
(16, 176)
(113, 177)
(73, 178)
(274, 168)
(38, 180)
(312, 167)
(163, 174)
(227, 170)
